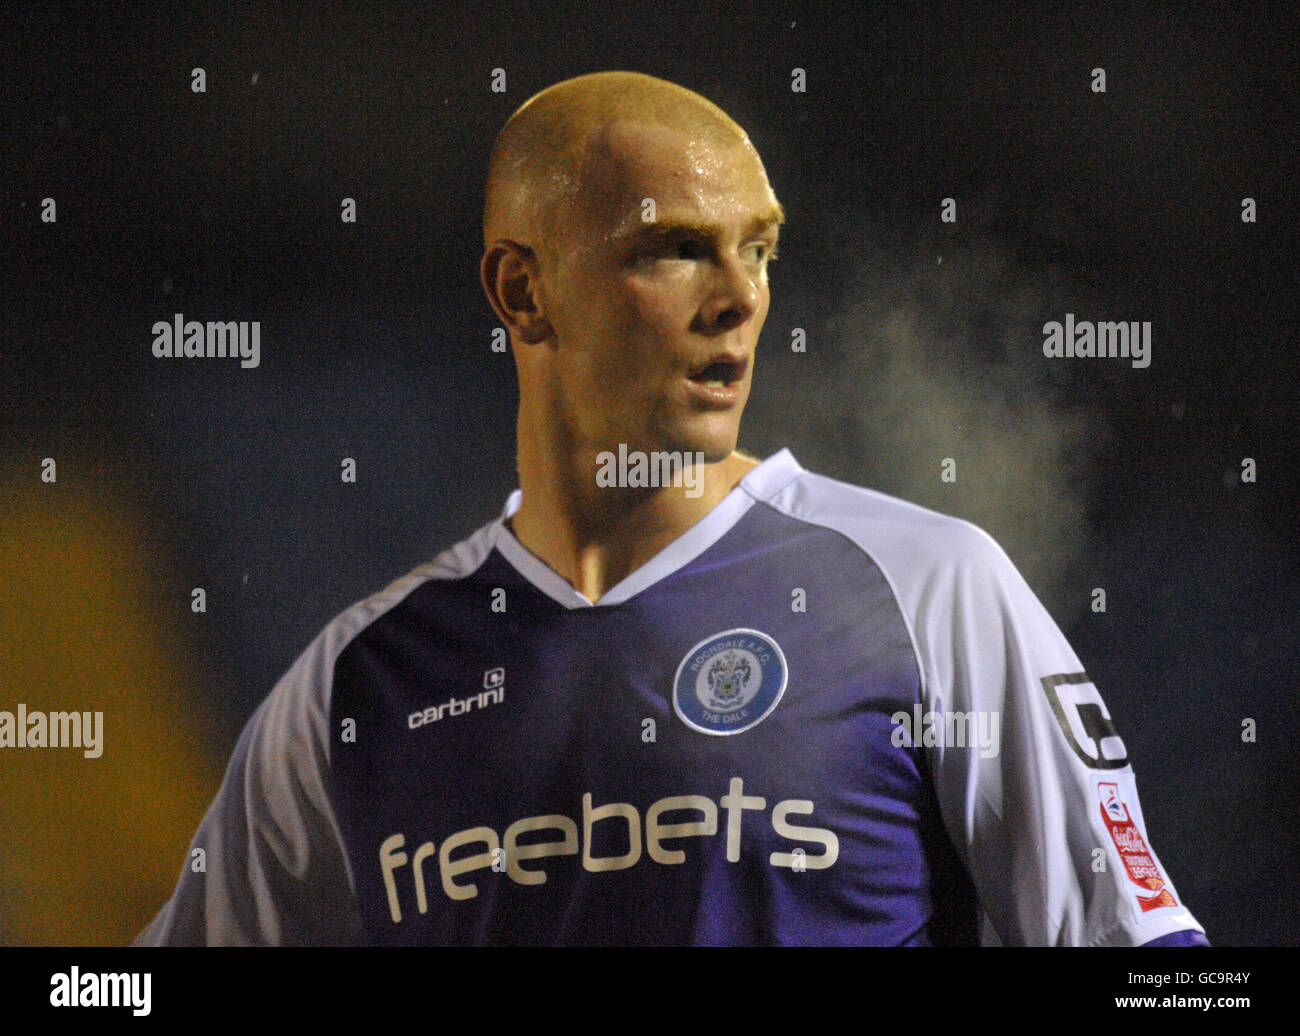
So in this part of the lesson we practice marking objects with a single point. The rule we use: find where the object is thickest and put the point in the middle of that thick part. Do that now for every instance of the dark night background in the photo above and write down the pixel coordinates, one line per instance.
(924, 342)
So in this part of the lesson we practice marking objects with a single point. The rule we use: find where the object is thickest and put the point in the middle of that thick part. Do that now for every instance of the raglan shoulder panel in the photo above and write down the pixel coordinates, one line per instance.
(267, 865)
(1033, 781)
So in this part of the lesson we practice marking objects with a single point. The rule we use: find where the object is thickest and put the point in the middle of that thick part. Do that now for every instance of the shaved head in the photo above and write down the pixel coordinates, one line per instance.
(628, 227)
(542, 160)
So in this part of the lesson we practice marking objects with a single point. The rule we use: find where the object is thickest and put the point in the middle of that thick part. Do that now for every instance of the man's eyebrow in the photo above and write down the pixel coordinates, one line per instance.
(683, 226)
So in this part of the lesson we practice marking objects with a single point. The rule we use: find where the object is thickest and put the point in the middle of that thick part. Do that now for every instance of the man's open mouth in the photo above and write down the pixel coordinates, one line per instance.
(720, 372)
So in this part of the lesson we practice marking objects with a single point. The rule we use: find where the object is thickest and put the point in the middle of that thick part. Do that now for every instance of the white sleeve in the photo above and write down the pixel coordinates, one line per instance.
(267, 865)
(1045, 813)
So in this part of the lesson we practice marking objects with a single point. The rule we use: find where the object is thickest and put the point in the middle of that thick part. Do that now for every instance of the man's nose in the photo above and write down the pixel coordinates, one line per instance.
(734, 297)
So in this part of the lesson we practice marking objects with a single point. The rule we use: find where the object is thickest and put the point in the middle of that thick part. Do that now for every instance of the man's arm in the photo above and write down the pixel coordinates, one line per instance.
(267, 865)
(1049, 822)
(1191, 937)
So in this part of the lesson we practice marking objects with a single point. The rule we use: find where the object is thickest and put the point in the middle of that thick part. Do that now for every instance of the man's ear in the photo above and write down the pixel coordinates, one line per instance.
(510, 277)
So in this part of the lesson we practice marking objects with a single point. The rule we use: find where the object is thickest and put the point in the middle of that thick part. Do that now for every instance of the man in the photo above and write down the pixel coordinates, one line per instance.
(674, 695)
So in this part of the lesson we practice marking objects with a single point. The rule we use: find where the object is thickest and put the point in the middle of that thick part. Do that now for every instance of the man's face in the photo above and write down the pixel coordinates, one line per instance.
(657, 320)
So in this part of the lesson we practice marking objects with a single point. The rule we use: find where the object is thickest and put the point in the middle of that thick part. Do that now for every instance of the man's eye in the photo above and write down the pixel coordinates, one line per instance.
(691, 250)
(688, 250)
(673, 251)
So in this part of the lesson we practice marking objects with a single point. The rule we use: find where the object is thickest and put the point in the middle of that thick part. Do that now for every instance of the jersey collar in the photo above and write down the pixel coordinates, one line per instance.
(759, 484)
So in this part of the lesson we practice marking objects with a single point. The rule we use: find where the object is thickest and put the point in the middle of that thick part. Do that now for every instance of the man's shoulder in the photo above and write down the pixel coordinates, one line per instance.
(459, 560)
(314, 666)
(898, 534)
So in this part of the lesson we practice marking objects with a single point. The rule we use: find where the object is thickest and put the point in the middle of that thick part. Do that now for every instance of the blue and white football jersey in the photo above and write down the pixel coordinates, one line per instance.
(820, 716)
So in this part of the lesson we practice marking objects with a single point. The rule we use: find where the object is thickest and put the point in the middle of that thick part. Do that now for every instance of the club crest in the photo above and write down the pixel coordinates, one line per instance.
(729, 682)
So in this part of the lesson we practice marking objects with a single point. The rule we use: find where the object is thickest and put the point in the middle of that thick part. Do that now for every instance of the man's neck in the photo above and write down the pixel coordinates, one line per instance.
(595, 537)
